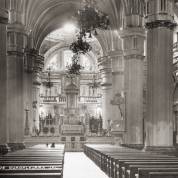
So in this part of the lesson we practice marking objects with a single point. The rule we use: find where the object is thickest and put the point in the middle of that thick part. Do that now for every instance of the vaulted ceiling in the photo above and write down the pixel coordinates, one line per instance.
(40, 17)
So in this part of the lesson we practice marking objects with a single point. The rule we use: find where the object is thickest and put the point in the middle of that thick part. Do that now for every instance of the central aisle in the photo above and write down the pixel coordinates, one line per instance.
(78, 165)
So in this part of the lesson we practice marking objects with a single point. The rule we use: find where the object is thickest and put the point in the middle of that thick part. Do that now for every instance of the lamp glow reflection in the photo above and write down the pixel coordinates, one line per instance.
(69, 28)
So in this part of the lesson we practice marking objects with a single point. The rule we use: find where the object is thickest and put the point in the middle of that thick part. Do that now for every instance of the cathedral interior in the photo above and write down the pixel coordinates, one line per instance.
(91, 77)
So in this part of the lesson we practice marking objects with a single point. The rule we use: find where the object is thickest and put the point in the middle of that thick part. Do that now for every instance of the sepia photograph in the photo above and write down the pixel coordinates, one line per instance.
(88, 88)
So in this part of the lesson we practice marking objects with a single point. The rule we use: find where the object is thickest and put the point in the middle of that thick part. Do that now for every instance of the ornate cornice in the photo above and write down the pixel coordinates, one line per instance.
(161, 23)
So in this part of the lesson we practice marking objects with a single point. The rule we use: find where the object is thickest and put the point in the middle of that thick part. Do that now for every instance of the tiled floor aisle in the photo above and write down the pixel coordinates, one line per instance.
(78, 165)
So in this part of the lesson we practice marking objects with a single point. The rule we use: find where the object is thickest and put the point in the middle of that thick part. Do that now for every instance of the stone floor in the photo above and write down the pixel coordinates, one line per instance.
(78, 165)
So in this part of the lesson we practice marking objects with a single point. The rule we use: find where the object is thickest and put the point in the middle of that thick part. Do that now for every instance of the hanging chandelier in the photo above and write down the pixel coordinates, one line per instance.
(91, 18)
(81, 46)
(75, 67)
(48, 83)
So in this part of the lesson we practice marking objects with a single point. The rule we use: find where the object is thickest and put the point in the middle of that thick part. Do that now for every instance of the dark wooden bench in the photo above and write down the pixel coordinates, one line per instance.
(125, 162)
(33, 162)
(145, 172)
(30, 175)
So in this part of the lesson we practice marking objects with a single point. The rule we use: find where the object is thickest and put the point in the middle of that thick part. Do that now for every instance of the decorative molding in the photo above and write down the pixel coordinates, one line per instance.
(161, 23)
(134, 56)
(15, 53)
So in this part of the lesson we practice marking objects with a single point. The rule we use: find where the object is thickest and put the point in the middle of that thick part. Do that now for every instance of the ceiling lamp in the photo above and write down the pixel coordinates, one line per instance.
(90, 19)
(75, 67)
(81, 46)
(48, 83)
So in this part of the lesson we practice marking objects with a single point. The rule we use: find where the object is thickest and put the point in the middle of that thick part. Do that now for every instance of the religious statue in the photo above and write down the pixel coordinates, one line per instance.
(119, 100)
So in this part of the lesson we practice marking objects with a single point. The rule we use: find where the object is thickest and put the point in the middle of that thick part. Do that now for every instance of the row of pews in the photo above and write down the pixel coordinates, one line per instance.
(122, 162)
(38, 161)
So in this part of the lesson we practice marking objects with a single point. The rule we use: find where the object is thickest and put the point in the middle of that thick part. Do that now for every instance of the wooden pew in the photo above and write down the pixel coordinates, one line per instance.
(119, 162)
(163, 174)
(145, 172)
(30, 175)
(33, 162)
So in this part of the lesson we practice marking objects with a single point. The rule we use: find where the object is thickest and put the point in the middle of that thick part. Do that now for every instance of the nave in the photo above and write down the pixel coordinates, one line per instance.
(77, 164)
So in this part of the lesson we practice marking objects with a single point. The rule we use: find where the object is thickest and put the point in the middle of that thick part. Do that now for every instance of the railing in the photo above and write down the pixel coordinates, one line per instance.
(62, 100)
(89, 99)
(53, 99)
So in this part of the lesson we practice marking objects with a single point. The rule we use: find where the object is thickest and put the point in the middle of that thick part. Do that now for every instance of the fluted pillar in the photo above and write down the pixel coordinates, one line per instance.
(106, 84)
(15, 58)
(159, 121)
(38, 66)
(3, 75)
(133, 36)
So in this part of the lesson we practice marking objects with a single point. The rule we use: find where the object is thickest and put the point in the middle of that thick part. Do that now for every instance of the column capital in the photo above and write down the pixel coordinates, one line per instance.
(3, 16)
(133, 42)
(161, 23)
(17, 39)
(162, 16)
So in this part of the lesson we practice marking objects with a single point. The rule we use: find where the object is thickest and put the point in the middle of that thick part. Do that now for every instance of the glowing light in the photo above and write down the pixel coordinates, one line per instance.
(69, 28)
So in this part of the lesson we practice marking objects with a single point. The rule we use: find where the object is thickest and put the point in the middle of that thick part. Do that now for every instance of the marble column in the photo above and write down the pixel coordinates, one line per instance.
(15, 58)
(133, 37)
(104, 64)
(38, 66)
(159, 121)
(3, 75)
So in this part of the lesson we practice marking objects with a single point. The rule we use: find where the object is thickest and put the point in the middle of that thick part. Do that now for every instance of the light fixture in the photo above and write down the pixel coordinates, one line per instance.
(81, 46)
(48, 83)
(75, 67)
(90, 19)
